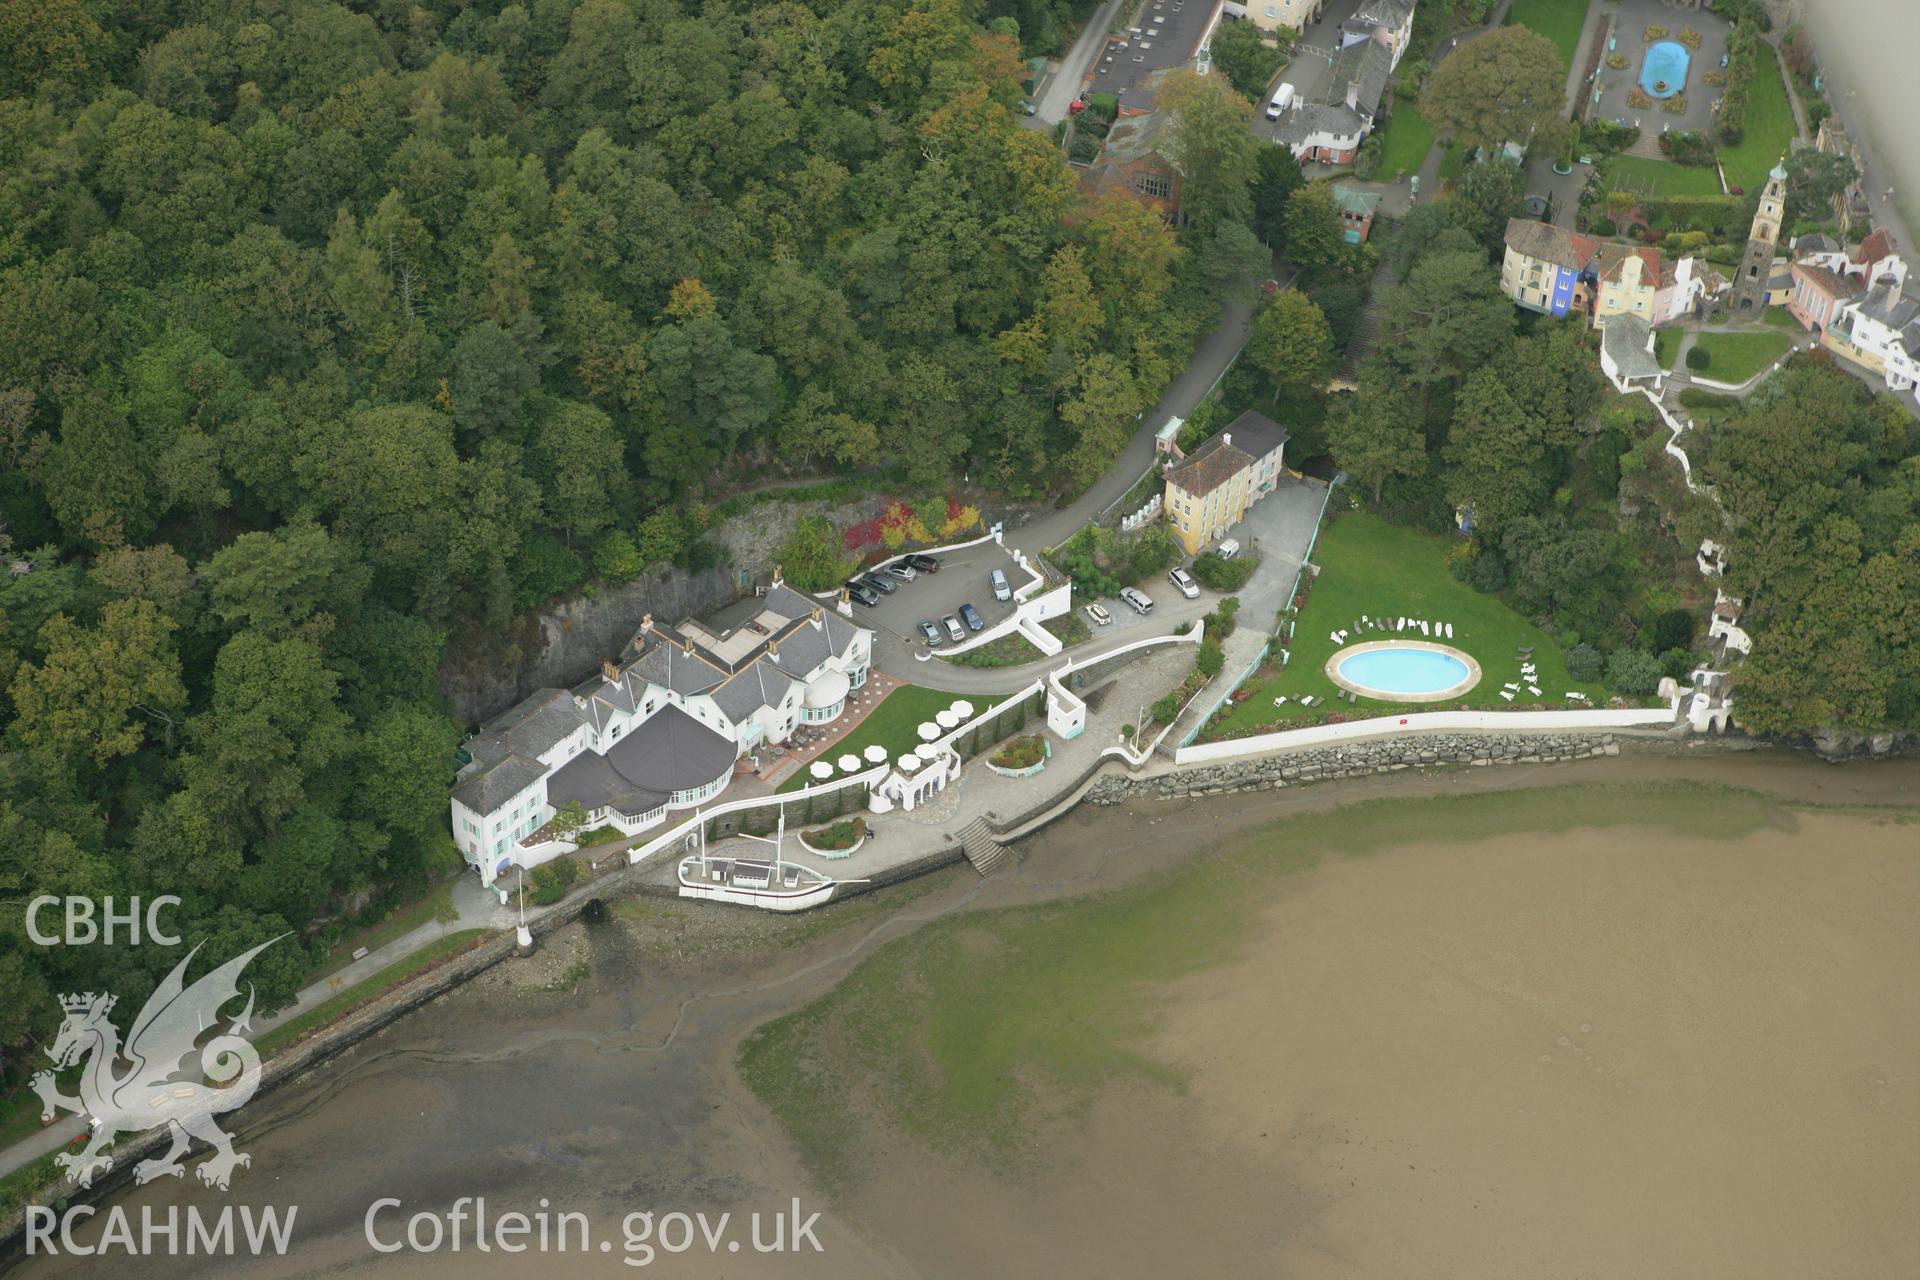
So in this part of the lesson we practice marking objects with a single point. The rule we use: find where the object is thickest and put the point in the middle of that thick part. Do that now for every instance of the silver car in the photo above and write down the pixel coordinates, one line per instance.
(955, 632)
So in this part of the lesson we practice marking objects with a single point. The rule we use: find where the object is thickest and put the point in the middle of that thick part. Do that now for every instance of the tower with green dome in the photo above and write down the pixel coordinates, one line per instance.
(1756, 265)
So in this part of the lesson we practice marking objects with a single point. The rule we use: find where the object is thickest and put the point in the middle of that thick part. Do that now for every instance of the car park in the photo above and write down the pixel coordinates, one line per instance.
(955, 632)
(931, 632)
(971, 616)
(1183, 583)
(1140, 601)
(879, 582)
(1001, 589)
(1097, 615)
(900, 571)
(923, 563)
(864, 594)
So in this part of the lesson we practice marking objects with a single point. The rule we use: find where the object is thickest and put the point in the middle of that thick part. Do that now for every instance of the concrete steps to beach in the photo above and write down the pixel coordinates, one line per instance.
(984, 849)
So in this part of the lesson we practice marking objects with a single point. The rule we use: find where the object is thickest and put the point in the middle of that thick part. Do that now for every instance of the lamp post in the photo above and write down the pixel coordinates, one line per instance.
(522, 936)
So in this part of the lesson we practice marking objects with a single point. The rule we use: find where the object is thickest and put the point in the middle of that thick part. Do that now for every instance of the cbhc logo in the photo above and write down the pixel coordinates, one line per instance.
(82, 929)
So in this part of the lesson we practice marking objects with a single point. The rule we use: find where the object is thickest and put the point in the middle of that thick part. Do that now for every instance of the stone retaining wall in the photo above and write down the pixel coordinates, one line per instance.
(1385, 755)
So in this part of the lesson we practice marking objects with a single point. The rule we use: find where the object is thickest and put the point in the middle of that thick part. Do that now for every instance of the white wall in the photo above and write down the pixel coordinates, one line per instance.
(1414, 722)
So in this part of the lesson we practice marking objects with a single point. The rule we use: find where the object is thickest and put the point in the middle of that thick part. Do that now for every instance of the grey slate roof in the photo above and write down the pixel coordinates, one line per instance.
(491, 786)
(1887, 304)
(1369, 64)
(1544, 241)
(671, 751)
(506, 754)
(1625, 339)
(592, 780)
(760, 685)
(1310, 118)
(1383, 13)
(1256, 434)
(671, 667)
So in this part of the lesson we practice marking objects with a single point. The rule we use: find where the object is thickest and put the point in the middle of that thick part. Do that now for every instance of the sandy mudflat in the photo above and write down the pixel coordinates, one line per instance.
(1604, 1053)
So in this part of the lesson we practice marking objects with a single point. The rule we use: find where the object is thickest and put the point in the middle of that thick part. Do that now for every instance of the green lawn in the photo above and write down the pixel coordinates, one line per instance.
(894, 724)
(393, 975)
(1738, 356)
(1770, 130)
(1406, 142)
(1779, 318)
(1368, 566)
(1666, 345)
(1558, 20)
(1453, 161)
(1659, 178)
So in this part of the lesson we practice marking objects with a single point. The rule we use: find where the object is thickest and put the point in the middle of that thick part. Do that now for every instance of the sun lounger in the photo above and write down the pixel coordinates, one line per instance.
(1424, 631)
(1334, 636)
(1449, 631)
(1506, 695)
(1534, 689)
(1514, 687)
(1280, 701)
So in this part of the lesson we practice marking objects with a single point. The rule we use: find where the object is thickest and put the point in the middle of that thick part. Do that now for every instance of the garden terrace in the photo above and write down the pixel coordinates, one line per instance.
(1370, 567)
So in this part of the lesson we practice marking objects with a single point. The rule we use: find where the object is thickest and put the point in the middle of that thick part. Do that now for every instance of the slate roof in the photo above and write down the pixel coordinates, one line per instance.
(671, 751)
(1625, 340)
(1889, 306)
(1310, 118)
(1210, 466)
(1383, 13)
(1256, 434)
(1546, 242)
(1138, 136)
(506, 754)
(1363, 67)
(592, 780)
(760, 685)
(493, 785)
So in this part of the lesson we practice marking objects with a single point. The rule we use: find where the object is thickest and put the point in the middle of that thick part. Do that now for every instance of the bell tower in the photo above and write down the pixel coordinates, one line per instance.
(1750, 286)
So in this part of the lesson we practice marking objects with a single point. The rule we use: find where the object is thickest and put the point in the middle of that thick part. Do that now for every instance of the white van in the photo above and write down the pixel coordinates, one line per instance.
(1282, 99)
(1140, 601)
(1228, 549)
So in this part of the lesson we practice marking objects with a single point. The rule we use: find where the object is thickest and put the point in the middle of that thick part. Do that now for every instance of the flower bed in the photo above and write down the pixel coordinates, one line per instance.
(838, 840)
(1653, 31)
(1617, 61)
(1675, 105)
(1690, 38)
(1637, 98)
(1021, 757)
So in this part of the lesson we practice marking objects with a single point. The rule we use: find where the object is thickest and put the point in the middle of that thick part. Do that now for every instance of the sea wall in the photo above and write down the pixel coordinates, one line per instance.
(1320, 764)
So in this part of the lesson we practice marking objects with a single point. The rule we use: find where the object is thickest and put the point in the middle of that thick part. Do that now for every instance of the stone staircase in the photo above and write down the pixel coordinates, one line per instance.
(984, 849)
(1647, 145)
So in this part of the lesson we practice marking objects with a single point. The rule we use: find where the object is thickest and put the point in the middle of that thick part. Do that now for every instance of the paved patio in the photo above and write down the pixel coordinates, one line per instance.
(1631, 19)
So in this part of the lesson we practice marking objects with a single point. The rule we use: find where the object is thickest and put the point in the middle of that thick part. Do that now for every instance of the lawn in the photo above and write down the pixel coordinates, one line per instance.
(1558, 20)
(1780, 318)
(1738, 356)
(1453, 162)
(894, 724)
(1666, 345)
(1406, 142)
(1368, 566)
(1770, 129)
(1659, 178)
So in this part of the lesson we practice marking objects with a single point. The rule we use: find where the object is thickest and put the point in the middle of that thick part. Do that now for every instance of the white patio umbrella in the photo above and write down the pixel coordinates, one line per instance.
(947, 719)
(876, 753)
(962, 708)
(908, 762)
(928, 731)
(821, 770)
(849, 763)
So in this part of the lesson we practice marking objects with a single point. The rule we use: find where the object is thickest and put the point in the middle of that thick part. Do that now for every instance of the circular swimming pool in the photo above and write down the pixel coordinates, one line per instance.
(1404, 670)
(1663, 72)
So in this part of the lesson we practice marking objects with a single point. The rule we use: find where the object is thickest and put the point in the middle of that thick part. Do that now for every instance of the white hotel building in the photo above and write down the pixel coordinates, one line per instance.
(660, 733)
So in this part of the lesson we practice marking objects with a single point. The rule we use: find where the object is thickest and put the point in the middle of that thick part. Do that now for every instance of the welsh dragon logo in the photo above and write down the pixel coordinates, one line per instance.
(150, 1093)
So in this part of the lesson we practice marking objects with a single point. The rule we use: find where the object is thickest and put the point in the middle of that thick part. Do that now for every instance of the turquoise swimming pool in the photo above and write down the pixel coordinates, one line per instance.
(1663, 72)
(1397, 672)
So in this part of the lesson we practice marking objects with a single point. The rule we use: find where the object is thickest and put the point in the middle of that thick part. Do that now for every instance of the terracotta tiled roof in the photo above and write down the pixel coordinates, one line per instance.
(1212, 465)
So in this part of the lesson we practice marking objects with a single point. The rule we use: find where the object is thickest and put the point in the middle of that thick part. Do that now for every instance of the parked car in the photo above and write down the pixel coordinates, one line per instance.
(1141, 602)
(1282, 98)
(1098, 616)
(1001, 591)
(879, 582)
(971, 616)
(955, 632)
(861, 593)
(1184, 583)
(923, 563)
(900, 570)
(1228, 549)
(1723, 61)
(931, 632)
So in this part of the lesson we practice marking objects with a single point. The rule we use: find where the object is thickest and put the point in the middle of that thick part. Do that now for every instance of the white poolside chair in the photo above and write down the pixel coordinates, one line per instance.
(1449, 631)
(1534, 689)
(1280, 701)
(1423, 630)
(1506, 695)
(1514, 687)
(1334, 636)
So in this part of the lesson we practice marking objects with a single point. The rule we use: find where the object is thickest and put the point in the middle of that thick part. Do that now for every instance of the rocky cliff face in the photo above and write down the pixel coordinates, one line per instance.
(563, 643)
(1847, 744)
